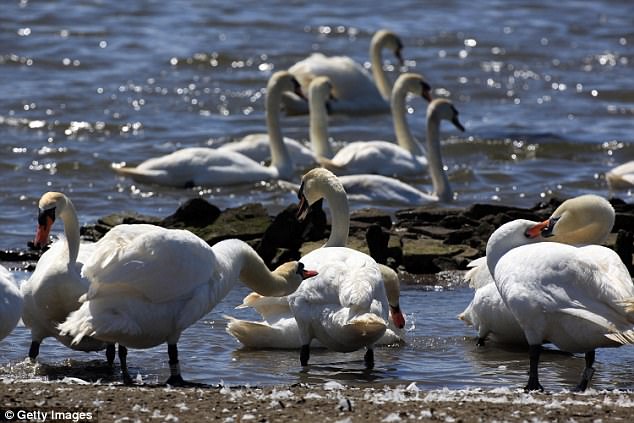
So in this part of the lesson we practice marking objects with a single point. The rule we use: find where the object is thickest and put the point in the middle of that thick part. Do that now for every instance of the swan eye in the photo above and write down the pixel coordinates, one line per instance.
(43, 214)
(300, 268)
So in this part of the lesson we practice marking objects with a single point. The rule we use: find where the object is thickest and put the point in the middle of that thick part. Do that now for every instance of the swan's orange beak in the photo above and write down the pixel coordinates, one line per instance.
(536, 230)
(309, 274)
(45, 221)
(397, 317)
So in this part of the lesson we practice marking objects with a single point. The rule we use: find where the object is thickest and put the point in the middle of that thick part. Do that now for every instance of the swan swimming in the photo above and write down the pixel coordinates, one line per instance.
(355, 90)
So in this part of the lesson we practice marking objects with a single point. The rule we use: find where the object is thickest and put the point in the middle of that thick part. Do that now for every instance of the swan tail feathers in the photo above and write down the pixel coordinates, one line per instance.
(141, 175)
(368, 326)
(626, 337)
(260, 334)
(628, 305)
(77, 325)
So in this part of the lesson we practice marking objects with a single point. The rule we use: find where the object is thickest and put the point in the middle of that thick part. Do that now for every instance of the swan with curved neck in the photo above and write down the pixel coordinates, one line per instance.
(53, 290)
(355, 90)
(11, 302)
(133, 298)
(279, 328)
(384, 157)
(583, 220)
(568, 296)
(380, 189)
(200, 166)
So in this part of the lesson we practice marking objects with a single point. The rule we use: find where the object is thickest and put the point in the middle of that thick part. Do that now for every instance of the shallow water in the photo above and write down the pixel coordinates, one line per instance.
(439, 352)
(543, 89)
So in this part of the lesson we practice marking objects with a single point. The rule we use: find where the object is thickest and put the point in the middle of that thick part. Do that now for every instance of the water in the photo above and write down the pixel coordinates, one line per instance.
(542, 88)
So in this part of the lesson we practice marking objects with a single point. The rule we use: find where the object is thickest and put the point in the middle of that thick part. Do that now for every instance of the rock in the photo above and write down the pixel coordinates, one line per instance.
(195, 212)
(419, 254)
(372, 216)
(247, 222)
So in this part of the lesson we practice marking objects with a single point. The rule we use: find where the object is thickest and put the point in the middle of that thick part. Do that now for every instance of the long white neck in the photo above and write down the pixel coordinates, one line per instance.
(404, 136)
(439, 178)
(71, 230)
(318, 131)
(380, 78)
(280, 158)
(241, 263)
(339, 216)
(505, 238)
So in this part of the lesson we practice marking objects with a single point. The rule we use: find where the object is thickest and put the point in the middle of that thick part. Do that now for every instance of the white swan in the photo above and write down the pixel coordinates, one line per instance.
(569, 296)
(354, 88)
(621, 177)
(10, 303)
(583, 220)
(200, 166)
(148, 284)
(406, 158)
(53, 290)
(379, 189)
(279, 328)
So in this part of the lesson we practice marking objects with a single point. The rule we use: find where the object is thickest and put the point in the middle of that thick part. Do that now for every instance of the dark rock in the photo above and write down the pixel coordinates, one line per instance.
(624, 247)
(195, 212)
(378, 239)
(372, 216)
(246, 222)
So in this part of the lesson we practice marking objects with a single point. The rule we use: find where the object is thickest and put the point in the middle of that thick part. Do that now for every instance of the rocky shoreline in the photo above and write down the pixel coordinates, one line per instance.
(420, 240)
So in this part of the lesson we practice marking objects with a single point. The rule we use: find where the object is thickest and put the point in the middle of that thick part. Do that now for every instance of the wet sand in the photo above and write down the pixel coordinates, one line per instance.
(331, 402)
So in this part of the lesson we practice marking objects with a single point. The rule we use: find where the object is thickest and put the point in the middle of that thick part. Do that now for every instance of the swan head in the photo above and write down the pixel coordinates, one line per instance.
(50, 206)
(320, 92)
(586, 219)
(512, 235)
(282, 81)
(393, 292)
(293, 272)
(414, 83)
(384, 38)
(316, 183)
(440, 109)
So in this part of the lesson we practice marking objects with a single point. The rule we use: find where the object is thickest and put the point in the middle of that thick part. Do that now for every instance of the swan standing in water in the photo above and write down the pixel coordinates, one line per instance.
(346, 307)
(583, 220)
(148, 284)
(354, 89)
(53, 290)
(568, 296)
(407, 158)
(279, 328)
(209, 167)
(10, 303)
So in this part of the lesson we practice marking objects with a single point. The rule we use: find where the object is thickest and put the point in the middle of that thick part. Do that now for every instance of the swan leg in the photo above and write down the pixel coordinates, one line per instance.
(123, 354)
(34, 350)
(368, 358)
(586, 376)
(175, 378)
(110, 353)
(480, 342)
(304, 355)
(533, 379)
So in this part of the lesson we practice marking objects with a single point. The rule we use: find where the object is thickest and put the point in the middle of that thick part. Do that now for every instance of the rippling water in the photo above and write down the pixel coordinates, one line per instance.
(543, 88)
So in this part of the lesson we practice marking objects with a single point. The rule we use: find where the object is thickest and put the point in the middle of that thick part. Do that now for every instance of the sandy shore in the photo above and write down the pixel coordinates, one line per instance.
(331, 402)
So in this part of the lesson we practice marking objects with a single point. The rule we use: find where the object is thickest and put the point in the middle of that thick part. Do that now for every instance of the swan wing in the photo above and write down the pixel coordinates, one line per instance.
(478, 274)
(156, 263)
(379, 189)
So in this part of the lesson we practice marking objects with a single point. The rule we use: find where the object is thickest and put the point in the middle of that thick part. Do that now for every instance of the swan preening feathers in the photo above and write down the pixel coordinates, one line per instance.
(566, 295)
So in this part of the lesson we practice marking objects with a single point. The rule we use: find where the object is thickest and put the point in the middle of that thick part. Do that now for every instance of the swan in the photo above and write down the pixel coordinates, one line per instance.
(53, 290)
(583, 220)
(346, 306)
(10, 302)
(621, 177)
(406, 158)
(134, 300)
(379, 189)
(279, 328)
(354, 88)
(200, 166)
(566, 295)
